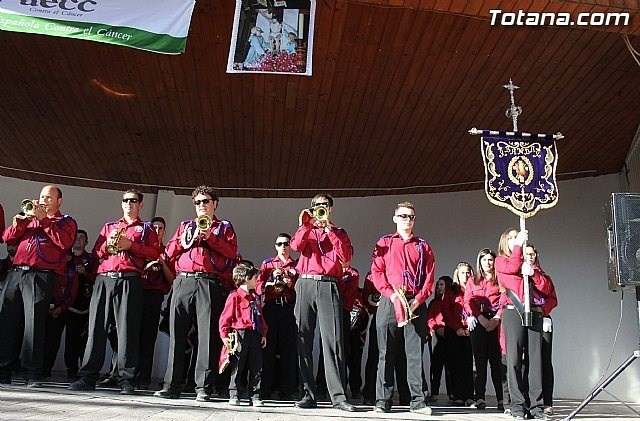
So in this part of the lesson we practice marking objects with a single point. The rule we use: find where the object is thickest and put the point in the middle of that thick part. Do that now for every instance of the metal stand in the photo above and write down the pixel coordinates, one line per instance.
(612, 377)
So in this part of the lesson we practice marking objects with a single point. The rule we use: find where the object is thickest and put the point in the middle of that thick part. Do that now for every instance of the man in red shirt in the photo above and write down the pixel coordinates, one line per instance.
(43, 240)
(201, 256)
(276, 281)
(403, 264)
(323, 248)
(123, 246)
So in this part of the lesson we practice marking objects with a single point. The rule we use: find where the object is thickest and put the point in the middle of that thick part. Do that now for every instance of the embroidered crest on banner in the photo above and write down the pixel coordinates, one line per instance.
(520, 174)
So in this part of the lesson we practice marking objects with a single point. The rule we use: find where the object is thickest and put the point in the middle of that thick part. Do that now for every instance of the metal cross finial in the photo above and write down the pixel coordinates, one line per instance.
(513, 112)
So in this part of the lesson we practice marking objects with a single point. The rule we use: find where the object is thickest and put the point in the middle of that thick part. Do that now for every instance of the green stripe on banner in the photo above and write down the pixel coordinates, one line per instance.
(118, 35)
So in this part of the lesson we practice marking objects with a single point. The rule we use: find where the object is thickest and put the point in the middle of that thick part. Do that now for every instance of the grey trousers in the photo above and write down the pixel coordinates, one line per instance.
(320, 301)
(414, 334)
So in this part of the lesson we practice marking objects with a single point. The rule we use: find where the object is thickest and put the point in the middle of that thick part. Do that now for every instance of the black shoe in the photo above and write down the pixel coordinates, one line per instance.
(382, 406)
(34, 384)
(306, 403)
(167, 394)
(127, 389)
(344, 406)
(108, 382)
(81, 386)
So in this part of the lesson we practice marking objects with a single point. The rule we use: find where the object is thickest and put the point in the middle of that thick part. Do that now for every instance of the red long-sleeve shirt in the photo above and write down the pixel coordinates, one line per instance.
(266, 275)
(42, 244)
(321, 253)
(398, 263)
(508, 270)
(215, 255)
(435, 319)
(550, 299)
(144, 247)
(237, 313)
(349, 288)
(66, 289)
(482, 297)
(453, 313)
(369, 292)
(154, 280)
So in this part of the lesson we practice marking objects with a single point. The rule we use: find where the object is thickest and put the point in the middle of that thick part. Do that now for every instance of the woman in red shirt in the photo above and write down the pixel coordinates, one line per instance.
(457, 336)
(481, 302)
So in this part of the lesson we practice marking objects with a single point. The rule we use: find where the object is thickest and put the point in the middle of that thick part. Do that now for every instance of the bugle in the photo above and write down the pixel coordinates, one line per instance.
(113, 240)
(28, 209)
(231, 346)
(401, 306)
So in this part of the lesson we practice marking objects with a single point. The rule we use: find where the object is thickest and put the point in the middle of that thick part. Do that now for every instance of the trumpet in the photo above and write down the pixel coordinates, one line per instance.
(28, 209)
(277, 284)
(113, 240)
(320, 212)
(402, 308)
(230, 348)
(203, 222)
(374, 299)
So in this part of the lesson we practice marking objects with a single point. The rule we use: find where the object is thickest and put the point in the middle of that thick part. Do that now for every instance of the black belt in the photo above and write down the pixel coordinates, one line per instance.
(323, 278)
(207, 275)
(31, 269)
(118, 275)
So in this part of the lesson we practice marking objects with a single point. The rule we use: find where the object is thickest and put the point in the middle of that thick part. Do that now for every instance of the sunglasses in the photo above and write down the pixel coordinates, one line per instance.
(325, 204)
(404, 217)
(130, 200)
(203, 201)
(284, 243)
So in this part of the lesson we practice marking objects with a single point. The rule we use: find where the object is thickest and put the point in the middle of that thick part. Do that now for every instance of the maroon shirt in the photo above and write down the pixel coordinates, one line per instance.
(321, 253)
(398, 263)
(483, 297)
(508, 270)
(266, 275)
(453, 313)
(550, 299)
(66, 289)
(237, 313)
(42, 244)
(348, 287)
(90, 265)
(145, 247)
(215, 255)
(368, 292)
(435, 318)
(154, 280)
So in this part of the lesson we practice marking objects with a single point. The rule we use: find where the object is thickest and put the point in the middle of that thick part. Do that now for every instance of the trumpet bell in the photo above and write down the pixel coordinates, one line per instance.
(28, 206)
(203, 222)
(321, 213)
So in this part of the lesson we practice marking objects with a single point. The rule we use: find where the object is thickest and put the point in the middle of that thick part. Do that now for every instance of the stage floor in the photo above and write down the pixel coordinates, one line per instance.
(55, 402)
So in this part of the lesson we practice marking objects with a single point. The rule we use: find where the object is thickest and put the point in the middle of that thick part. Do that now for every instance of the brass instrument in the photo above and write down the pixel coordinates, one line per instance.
(154, 266)
(203, 222)
(28, 209)
(113, 240)
(320, 212)
(405, 315)
(374, 299)
(355, 315)
(230, 348)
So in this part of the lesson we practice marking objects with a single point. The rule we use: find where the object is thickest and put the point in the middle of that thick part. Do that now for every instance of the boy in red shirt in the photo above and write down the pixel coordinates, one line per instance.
(243, 314)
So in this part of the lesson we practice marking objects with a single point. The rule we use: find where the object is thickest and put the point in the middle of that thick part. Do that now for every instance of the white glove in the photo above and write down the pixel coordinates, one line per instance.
(471, 322)
(547, 324)
(527, 269)
(522, 238)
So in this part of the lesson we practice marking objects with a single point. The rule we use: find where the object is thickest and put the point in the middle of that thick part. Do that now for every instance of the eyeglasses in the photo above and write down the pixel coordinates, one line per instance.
(284, 243)
(130, 200)
(203, 201)
(404, 217)
(325, 204)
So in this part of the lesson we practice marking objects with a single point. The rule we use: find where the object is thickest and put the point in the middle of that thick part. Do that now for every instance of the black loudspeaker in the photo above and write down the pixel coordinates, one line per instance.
(622, 218)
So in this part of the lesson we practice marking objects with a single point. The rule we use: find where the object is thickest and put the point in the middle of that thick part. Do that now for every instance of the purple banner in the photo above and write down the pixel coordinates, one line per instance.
(520, 174)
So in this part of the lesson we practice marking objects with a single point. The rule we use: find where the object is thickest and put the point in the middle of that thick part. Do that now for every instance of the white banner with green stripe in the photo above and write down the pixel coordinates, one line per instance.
(160, 26)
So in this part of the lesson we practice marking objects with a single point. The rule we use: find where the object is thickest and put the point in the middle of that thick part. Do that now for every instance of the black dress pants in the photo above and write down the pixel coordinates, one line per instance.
(115, 301)
(201, 300)
(24, 307)
(281, 340)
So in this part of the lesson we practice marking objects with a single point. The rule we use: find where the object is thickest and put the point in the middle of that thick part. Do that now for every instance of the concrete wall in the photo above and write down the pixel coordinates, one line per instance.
(570, 237)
